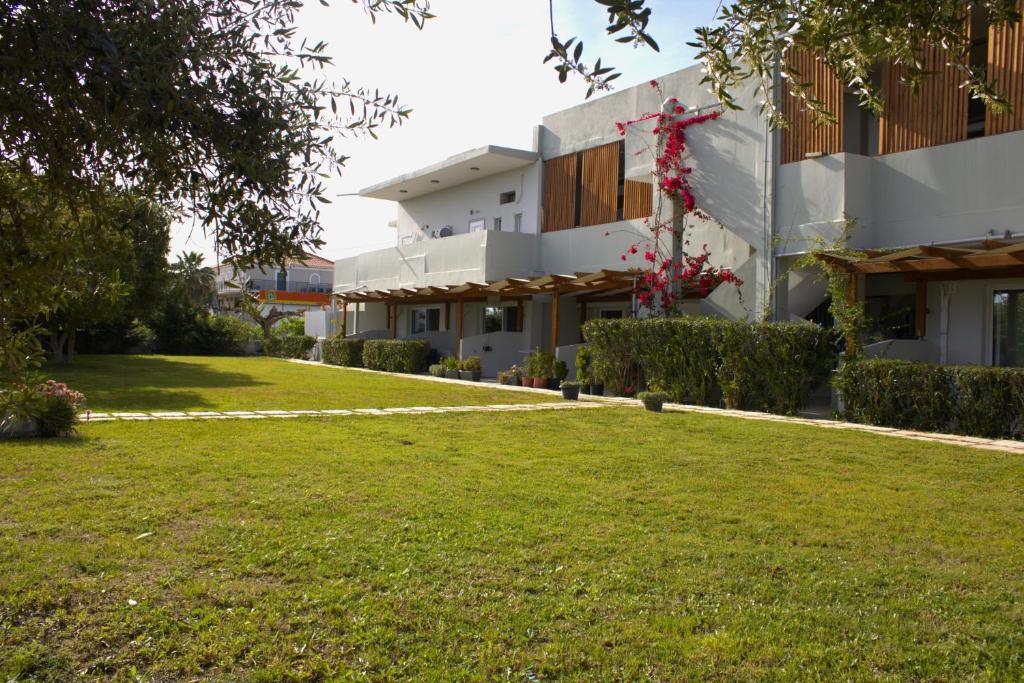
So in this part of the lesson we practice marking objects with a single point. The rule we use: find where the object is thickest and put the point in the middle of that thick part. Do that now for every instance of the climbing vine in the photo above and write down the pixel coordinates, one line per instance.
(665, 280)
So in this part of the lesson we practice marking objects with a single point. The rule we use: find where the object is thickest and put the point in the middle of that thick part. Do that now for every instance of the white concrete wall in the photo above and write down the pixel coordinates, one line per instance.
(498, 351)
(457, 206)
(949, 192)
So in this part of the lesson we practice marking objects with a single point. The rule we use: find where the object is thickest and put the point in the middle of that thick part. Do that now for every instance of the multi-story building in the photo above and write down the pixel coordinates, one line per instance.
(502, 250)
(302, 284)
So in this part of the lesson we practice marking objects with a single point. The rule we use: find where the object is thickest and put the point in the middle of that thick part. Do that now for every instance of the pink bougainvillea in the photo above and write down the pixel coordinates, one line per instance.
(693, 274)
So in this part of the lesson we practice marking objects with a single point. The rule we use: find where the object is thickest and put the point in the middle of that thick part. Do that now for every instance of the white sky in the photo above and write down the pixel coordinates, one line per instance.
(473, 76)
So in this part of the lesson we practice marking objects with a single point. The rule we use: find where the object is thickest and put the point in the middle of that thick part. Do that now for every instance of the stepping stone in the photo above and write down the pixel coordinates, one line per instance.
(205, 413)
(336, 412)
(271, 412)
(169, 414)
(97, 416)
(130, 415)
(303, 412)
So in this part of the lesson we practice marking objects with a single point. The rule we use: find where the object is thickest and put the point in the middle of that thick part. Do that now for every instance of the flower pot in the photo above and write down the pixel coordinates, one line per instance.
(553, 384)
(469, 375)
(597, 389)
(16, 429)
(512, 381)
(584, 388)
(653, 404)
(451, 374)
(540, 382)
(570, 393)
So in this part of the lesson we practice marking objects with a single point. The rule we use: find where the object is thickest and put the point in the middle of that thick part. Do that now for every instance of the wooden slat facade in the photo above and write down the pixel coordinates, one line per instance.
(637, 200)
(937, 115)
(1006, 66)
(560, 193)
(599, 186)
(802, 136)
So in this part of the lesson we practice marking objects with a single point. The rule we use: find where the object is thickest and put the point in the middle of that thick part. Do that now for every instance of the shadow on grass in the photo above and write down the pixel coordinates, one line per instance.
(150, 382)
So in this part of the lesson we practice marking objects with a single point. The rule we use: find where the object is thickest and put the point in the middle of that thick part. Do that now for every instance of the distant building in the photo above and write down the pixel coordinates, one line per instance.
(303, 284)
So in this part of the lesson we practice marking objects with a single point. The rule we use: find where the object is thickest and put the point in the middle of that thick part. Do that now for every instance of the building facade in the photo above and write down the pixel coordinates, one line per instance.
(502, 250)
(303, 284)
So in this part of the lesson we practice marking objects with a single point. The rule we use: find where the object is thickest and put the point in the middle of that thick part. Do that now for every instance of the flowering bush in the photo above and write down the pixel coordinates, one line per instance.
(666, 279)
(51, 405)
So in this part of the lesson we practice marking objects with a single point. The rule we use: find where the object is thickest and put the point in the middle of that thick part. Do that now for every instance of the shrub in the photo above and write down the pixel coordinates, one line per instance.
(979, 401)
(50, 404)
(140, 337)
(583, 362)
(396, 355)
(436, 370)
(450, 363)
(653, 400)
(561, 370)
(289, 347)
(471, 364)
(341, 351)
(292, 327)
(756, 366)
(228, 335)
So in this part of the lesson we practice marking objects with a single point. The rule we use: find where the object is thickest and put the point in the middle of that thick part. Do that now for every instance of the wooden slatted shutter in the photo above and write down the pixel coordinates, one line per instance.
(560, 193)
(935, 116)
(1006, 66)
(803, 136)
(637, 200)
(599, 186)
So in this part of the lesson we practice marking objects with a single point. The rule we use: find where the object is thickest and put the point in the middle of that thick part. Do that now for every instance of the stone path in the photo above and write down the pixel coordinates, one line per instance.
(265, 414)
(933, 437)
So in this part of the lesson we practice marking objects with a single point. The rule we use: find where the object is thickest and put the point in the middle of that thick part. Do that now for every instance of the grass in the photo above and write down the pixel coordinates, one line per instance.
(206, 383)
(600, 545)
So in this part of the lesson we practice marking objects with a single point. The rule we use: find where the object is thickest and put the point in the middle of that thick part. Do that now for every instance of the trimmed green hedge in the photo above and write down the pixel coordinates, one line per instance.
(289, 347)
(341, 351)
(396, 355)
(772, 367)
(978, 401)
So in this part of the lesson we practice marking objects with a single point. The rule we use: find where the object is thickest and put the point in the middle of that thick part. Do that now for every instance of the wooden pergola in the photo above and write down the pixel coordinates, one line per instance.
(595, 287)
(985, 260)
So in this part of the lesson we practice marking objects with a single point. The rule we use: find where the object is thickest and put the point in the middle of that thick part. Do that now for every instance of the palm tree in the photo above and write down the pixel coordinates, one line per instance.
(197, 281)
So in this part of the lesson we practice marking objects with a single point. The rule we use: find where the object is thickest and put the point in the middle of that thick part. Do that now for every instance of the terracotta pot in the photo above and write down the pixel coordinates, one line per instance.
(540, 382)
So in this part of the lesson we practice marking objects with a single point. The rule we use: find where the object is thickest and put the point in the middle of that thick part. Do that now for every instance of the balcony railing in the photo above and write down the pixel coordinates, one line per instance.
(270, 284)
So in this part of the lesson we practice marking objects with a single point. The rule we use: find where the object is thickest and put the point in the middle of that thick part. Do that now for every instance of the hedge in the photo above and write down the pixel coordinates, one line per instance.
(772, 367)
(289, 347)
(341, 351)
(396, 355)
(972, 400)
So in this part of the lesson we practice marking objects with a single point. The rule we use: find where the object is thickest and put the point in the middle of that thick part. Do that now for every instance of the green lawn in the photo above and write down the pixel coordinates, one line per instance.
(609, 544)
(205, 383)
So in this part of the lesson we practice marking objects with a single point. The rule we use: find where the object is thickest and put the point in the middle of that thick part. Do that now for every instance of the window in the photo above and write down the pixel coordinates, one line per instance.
(282, 280)
(611, 314)
(497, 224)
(500, 319)
(314, 283)
(477, 224)
(507, 197)
(518, 222)
(1007, 323)
(425, 320)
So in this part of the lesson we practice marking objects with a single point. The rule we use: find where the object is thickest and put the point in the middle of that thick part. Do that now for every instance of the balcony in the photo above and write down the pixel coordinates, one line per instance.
(271, 284)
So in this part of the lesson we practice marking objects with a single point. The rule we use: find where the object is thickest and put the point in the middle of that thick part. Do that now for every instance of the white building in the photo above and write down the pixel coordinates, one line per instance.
(502, 250)
(303, 284)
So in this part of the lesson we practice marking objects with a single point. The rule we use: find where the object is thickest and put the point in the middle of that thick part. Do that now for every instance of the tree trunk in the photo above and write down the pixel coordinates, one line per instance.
(57, 340)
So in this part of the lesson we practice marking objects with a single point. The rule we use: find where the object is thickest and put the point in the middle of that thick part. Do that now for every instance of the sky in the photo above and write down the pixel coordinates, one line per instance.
(473, 76)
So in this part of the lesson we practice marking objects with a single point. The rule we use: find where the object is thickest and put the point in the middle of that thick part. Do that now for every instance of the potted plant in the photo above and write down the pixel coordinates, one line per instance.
(653, 400)
(470, 369)
(570, 390)
(515, 373)
(560, 371)
(502, 377)
(538, 367)
(583, 363)
(436, 370)
(451, 367)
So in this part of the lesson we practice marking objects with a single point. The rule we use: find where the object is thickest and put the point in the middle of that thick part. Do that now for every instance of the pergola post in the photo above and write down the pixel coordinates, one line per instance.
(344, 318)
(447, 316)
(394, 320)
(556, 297)
(582, 301)
(458, 328)
(520, 314)
(920, 308)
